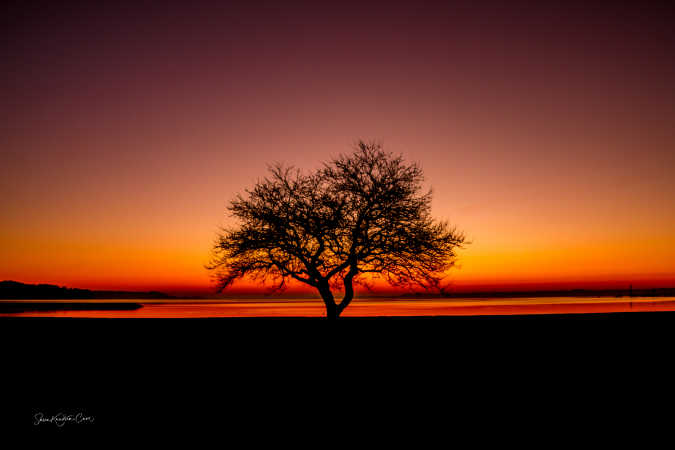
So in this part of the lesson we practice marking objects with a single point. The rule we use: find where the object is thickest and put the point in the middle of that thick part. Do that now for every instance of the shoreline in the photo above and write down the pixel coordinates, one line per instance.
(8, 307)
(314, 309)
(590, 316)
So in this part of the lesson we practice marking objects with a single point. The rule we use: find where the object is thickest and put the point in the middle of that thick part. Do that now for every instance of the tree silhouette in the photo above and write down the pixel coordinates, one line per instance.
(360, 216)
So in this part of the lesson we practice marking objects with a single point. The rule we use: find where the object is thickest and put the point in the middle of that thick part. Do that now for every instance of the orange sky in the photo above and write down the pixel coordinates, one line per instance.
(547, 135)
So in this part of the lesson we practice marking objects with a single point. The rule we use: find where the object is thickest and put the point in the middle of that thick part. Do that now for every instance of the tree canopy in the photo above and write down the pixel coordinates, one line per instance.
(360, 216)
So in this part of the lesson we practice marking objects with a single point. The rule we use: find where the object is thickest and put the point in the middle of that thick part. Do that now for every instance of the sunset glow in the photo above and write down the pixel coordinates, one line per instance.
(548, 142)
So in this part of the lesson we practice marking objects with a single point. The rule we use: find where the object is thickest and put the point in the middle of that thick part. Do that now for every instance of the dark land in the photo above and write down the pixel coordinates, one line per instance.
(411, 381)
(18, 307)
(642, 292)
(14, 290)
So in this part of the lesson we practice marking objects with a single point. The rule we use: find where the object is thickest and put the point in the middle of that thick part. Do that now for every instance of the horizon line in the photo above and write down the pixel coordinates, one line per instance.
(464, 289)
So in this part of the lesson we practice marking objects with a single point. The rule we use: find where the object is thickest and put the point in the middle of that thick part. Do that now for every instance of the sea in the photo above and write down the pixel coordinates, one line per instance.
(366, 307)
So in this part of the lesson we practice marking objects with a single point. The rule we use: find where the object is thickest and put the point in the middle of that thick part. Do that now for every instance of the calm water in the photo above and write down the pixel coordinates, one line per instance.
(366, 307)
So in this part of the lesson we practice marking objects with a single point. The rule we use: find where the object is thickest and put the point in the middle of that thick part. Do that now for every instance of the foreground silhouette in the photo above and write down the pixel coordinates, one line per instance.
(360, 214)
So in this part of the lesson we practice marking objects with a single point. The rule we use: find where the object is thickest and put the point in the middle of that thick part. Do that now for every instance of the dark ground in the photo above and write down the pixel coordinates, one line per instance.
(16, 307)
(299, 381)
(15, 290)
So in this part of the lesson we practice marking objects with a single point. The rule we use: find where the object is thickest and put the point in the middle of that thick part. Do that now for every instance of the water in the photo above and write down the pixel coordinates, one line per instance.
(360, 307)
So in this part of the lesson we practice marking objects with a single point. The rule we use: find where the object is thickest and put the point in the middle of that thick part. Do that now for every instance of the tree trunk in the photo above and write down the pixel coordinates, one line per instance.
(331, 311)
(349, 289)
(334, 310)
(349, 293)
(328, 299)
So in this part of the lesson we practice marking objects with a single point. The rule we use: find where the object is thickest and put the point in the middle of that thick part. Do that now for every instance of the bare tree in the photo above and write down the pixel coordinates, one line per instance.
(360, 216)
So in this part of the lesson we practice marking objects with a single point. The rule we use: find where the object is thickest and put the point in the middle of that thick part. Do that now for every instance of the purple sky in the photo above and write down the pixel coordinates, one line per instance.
(546, 132)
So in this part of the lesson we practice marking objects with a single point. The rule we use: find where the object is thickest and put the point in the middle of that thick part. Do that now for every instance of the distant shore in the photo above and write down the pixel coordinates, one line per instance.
(655, 292)
(7, 307)
(14, 290)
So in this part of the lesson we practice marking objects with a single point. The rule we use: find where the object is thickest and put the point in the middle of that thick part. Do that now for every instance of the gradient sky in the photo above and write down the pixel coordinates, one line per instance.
(547, 134)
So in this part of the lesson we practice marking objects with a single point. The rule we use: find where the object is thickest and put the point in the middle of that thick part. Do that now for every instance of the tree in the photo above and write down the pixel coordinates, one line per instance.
(360, 216)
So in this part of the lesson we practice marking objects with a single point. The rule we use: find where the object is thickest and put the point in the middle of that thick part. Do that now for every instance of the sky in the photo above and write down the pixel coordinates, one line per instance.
(546, 133)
